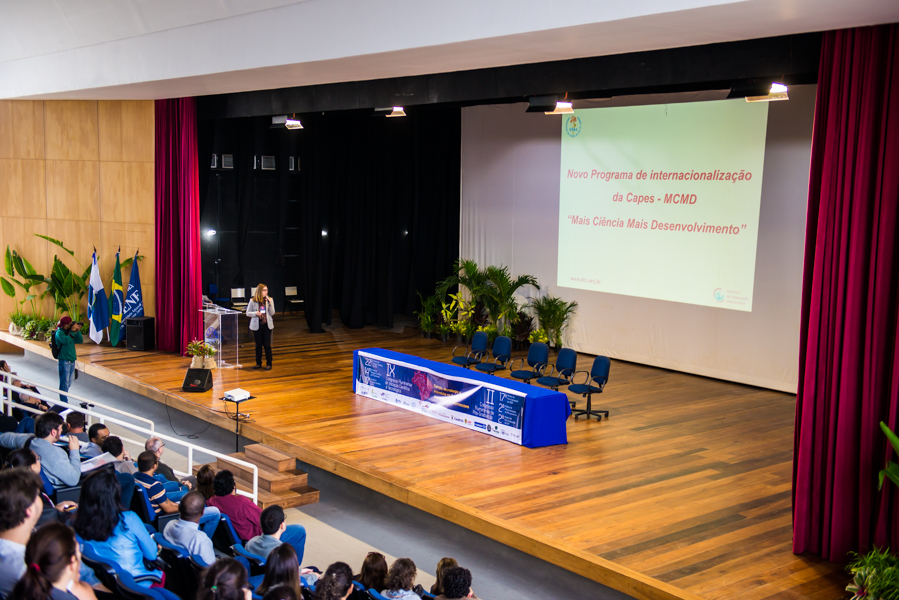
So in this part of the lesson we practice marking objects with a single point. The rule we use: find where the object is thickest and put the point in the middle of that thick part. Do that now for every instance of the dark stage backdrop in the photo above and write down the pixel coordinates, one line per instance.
(370, 217)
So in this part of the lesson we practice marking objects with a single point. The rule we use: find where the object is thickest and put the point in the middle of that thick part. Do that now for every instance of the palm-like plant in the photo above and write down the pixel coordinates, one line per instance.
(468, 275)
(554, 315)
(499, 294)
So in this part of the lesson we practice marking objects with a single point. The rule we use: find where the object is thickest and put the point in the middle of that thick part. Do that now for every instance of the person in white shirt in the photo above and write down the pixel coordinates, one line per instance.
(186, 532)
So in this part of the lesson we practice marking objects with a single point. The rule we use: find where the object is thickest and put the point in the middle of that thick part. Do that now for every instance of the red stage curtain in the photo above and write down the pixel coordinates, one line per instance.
(178, 263)
(849, 360)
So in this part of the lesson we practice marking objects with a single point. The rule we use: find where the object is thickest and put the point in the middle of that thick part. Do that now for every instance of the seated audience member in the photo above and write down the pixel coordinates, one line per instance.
(75, 421)
(118, 536)
(281, 568)
(157, 447)
(400, 579)
(226, 579)
(275, 531)
(336, 583)
(26, 458)
(97, 434)
(53, 562)
(281, 592)
(23, 398)
(373, 574)
(162, 501)
(456, 584)
(123, 462)
(204, 481)
(20, 497)
(242, 511)
(61, 469)
(186, 532)
(444, 564)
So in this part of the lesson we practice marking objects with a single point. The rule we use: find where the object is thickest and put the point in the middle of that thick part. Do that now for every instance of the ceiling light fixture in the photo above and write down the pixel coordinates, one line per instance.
(397, 112)
(778, 91)
(210, 232)
(290, 122)
(562, 108)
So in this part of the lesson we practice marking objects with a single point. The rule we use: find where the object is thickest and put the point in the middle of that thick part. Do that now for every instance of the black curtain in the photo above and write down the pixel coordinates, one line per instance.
(370, 217)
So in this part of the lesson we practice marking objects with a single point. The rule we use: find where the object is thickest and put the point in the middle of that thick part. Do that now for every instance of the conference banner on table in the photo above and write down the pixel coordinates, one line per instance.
(662, 201)
(468, 403)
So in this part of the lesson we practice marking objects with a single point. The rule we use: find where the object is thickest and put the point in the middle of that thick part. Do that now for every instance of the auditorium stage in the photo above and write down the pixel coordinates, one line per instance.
(683, 493)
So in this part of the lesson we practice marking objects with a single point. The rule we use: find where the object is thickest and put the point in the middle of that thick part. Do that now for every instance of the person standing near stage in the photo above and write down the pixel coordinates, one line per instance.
(67, 335)
(260, 310)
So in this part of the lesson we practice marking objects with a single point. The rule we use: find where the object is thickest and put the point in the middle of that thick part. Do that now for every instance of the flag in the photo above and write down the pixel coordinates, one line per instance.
(97, 305)
(134, 301)
(116, 303)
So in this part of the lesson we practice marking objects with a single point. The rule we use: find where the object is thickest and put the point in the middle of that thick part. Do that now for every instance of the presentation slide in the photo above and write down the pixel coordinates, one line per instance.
(662, 201)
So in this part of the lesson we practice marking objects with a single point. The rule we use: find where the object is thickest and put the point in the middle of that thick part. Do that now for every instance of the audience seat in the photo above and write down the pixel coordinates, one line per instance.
(538, 356)
(502, 353)
(471, 356)
(140, 503)
(180, 575)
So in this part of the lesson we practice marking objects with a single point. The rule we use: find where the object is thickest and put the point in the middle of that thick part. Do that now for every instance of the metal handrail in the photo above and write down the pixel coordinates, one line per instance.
(190, 447)
(92, 403)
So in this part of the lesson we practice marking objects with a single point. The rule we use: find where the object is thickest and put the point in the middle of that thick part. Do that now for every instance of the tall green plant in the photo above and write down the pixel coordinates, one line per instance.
(66, 287)
(554, 315)
(15, 264)
(499, 294)
(891, 471)
(466, 274)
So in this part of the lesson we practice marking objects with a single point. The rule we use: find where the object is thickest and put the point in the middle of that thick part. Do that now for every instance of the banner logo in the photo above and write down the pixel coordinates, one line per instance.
(573, 126)
(719, 295)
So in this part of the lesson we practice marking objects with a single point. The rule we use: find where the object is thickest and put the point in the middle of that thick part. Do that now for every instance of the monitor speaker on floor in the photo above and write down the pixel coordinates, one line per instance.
(197, 380)
(140, 333)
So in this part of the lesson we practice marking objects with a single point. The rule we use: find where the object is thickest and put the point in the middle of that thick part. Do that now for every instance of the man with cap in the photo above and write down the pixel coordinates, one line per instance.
(67, 335)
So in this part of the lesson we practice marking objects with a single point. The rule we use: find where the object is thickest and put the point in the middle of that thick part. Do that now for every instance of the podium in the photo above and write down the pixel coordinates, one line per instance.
(220, 330)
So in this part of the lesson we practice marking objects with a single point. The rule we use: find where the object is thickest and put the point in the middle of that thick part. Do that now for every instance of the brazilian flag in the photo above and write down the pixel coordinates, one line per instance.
(116, 303)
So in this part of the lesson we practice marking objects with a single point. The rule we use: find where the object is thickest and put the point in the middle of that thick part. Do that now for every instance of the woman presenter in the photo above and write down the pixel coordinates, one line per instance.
(260, 310)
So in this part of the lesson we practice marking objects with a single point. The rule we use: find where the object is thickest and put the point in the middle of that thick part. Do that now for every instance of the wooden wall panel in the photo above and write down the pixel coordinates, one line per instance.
(73, 190)
(21, 129)
(71, 130)
(52, 182)
(127, 192)
(22, 188)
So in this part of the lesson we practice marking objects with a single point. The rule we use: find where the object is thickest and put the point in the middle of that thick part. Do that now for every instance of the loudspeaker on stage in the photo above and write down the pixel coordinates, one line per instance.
(197, 380)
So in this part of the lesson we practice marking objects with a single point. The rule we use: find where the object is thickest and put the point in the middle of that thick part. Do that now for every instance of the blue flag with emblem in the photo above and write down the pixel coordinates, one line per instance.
(134, 300)
(97, 304)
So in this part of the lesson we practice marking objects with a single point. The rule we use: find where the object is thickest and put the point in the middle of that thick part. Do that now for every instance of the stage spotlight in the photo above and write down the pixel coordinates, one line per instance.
(397, 112)
(778, 91)
(562, 108)
(324, 233)
(290, 122)
(210, 232)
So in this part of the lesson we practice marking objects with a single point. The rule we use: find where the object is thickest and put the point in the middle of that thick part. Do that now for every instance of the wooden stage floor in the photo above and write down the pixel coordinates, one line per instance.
(684, 492)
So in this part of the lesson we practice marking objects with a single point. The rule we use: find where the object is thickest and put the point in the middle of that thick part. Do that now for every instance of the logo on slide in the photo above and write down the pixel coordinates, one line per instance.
(572, 126)
(719, 295)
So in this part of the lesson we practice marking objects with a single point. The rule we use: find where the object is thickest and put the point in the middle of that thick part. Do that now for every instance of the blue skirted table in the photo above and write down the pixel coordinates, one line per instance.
(523, 414)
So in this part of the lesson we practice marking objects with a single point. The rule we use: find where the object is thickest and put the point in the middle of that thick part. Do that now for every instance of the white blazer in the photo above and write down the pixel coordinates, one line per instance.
(253, 308)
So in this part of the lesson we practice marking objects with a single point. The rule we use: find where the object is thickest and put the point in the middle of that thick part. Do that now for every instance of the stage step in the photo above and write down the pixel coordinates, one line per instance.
(269, 458)
(280, 482)
(270, 481)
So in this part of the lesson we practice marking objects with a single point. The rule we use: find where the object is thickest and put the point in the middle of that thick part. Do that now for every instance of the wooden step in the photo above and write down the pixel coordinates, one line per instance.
(287, 499)
(270, 481)
(269, 458)
(300, 495)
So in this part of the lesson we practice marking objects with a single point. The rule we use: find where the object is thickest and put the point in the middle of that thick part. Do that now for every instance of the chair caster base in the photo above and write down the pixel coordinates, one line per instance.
(589, 413)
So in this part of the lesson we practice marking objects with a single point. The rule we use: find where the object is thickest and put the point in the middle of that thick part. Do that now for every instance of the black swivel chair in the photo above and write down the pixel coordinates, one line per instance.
(474, 355)
(538, 356)
(560, 373)
(502, 353)
(594, 383)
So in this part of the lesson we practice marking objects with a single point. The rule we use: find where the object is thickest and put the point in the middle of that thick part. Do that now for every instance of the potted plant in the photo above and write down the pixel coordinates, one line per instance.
(201, 355)
(17, 322)
(443, 330)
(521, 331)
(491, 332)
(538, 335)
(428, 315)
(554, 315)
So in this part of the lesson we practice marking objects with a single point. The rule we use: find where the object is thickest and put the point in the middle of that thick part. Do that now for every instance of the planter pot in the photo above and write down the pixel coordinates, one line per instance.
(196, 362)
(461, 339)
(209, 362)
(426, 335)
(444, 337)
(15, 329)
